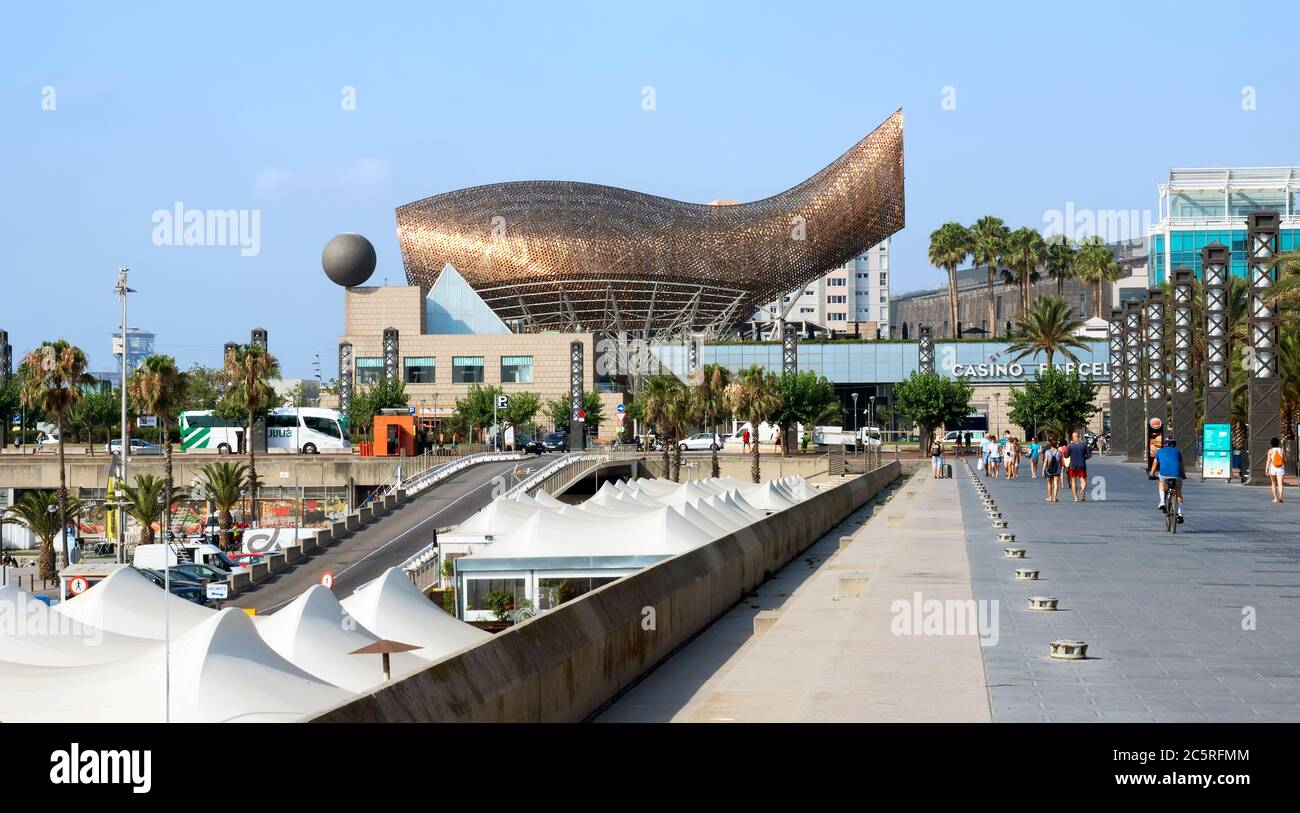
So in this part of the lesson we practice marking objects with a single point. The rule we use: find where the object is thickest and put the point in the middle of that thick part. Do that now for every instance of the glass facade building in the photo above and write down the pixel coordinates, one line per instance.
(1203, 206)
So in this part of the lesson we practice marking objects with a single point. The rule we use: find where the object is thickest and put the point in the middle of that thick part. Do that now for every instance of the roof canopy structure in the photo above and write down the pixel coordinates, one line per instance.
(100, 656)
(564, 255)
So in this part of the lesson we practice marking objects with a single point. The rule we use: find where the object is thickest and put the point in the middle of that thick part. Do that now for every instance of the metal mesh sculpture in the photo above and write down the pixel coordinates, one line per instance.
(568, 255)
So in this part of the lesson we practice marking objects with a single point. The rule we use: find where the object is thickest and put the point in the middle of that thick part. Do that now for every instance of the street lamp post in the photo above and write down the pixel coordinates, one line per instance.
(124, 442)
(855, 422)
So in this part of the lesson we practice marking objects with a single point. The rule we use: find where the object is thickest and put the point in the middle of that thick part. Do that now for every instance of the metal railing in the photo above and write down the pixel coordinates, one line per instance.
(429, 475)
(567, 469)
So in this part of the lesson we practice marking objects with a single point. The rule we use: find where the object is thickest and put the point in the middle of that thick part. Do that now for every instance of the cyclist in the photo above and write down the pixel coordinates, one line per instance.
(1168, 463)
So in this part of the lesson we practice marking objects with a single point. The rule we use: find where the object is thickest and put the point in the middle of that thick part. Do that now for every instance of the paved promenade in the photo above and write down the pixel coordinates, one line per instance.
(832, 657)
(1163, 614)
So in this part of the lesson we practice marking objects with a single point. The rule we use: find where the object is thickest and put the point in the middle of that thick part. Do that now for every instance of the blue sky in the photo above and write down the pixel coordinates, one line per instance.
(238, 106)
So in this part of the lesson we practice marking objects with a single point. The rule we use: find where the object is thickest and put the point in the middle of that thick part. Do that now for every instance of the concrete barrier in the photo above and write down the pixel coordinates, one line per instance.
(240, 581)
(337, 530)
(765, 620)
(259, 571)
(351, 522)
(565, 664)
(390, 502)
(293, 553)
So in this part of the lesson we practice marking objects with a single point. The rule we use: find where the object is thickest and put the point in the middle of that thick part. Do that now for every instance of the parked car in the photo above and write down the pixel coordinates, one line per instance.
(702, 442)
(529, 444)
(245, 559)
(188, 590)
(138, 447)
(195, 572)
(556, 442)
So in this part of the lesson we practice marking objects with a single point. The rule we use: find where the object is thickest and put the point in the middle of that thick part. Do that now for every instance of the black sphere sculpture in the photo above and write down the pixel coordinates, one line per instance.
(348, 259)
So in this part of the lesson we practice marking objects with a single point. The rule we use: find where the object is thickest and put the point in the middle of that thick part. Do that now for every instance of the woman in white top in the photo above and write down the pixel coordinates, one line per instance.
(1276, 469)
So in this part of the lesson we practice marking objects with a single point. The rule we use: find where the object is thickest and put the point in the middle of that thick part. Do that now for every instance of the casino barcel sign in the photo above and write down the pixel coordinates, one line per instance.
(1015, 369)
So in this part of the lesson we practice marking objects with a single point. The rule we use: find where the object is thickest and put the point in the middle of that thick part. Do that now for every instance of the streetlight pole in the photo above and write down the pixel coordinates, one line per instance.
(855, 422)
(124, 442)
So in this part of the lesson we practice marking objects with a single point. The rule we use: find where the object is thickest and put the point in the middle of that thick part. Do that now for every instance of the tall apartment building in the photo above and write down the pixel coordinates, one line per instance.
(851, 299)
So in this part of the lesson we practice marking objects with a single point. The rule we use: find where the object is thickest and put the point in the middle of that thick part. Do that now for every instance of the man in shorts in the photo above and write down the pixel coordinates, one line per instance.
(1167, 464)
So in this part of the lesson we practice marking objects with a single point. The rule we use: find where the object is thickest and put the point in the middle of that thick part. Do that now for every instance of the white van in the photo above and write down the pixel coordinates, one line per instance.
(161, 556)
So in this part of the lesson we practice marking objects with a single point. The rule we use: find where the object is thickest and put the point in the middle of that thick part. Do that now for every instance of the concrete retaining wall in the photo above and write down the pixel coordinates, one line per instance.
(565, 664)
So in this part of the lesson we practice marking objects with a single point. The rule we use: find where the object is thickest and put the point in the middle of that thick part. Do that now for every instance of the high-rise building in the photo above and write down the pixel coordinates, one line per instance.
(850, 299)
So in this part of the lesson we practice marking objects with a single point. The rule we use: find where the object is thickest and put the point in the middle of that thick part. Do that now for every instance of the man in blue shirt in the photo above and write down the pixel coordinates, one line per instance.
(1167, 463)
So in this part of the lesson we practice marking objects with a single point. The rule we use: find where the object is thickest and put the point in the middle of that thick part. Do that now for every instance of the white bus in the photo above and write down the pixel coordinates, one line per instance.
(304, 429)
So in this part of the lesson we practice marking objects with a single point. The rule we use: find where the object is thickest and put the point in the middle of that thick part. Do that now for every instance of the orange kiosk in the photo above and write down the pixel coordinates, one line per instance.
(394, 435)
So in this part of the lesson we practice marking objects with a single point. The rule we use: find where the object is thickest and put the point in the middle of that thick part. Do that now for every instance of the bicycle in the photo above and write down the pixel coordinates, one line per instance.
(1171, 504)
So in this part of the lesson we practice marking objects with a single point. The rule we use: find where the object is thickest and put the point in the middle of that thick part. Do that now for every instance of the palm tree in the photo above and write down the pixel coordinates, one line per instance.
(40, 512)
(1025, 252)
(1060, 261)
(223, 488)
(709, 402)
(147, 501)
(158, 389)
(250, 368)
(53, 375)
(988, 244)
(657, 395)
(1050, 328)
(754, 397)
(950, 245)
(678, 415)
(1094, 263)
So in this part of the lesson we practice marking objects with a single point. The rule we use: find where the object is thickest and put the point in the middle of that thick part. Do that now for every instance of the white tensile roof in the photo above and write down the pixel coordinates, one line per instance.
(99, 657)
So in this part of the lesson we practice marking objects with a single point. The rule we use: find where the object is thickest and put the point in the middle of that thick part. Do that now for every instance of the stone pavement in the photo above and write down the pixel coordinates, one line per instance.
(1162, 614)
(831, 654)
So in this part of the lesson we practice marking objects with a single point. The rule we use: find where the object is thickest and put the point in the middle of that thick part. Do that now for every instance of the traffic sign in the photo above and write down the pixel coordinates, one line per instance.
(503, 402)
(218, 591)
(77, 585)
(328, 580)
(582, 414)
(620, 409)
(410, 410)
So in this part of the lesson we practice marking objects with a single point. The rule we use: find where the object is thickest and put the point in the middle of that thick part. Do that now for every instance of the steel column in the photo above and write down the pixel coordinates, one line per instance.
(925, 351)
(1265, 383)
(345, 376)
(1135, 446)
(1118, 398)
(1182, 421)
(577, 433)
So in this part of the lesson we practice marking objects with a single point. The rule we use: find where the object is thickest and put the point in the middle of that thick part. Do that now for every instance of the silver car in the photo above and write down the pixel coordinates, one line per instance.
(138, 447)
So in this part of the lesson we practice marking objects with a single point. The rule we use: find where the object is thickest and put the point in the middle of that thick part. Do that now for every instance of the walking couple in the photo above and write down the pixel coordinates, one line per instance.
(1069, 460)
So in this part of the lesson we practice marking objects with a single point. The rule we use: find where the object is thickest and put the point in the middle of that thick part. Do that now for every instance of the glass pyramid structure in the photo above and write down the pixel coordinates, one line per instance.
(452, 306)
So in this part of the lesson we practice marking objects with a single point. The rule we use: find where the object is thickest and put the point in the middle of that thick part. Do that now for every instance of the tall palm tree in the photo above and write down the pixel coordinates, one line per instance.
(950, 245)
(40, 512)
(1050, 328)
(158, 389)
(223, 488)
(679, 414)
(1060, 261)
(147, 502)
(250, 368)
(657, 395)
(1025, 253)
(988, 244)
(53, 375)
(709, 402)
(754, 397)
(1095, 264)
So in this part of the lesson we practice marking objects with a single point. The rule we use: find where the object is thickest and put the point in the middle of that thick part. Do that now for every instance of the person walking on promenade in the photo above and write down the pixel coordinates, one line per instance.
(1052, 470)
(1033, 448)
(744, 437)
(1276, 469)
(995, 457)
(936, 458)
(1078, 454)
(776, 440)
(965, 442)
